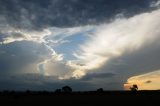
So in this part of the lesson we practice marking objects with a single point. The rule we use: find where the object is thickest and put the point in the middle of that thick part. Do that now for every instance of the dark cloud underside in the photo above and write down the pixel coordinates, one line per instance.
(16, 56)
(65, 13)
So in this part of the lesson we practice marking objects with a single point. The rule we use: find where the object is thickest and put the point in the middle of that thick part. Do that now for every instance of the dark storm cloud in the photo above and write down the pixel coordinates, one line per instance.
(39, 82)
(36, 14)
(51, 83)
(13, 35)
(97, 76)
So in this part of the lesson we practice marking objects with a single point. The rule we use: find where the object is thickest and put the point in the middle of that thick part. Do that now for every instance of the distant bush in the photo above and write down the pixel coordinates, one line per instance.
(100, 90)
(58, 91)
(28, 91)
(134, 88)
(66, 89)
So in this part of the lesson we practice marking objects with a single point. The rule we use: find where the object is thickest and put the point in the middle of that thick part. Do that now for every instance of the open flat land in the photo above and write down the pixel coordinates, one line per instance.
(151, 98)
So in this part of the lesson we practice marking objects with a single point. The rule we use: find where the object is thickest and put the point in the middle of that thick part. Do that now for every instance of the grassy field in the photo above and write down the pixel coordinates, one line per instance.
(79, 98)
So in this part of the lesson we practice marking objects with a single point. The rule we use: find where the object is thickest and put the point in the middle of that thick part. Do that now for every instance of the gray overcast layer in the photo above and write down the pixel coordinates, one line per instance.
(37, 14)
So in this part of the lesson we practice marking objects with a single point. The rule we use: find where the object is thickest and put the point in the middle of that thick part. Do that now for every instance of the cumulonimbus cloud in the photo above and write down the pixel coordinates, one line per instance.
(49, 23)
(115, 39)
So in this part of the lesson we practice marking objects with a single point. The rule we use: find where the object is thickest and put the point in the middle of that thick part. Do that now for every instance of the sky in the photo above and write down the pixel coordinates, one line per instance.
(85, 44)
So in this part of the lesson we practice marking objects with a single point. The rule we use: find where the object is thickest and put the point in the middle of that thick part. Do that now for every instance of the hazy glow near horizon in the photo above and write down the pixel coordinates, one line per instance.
(149, 81)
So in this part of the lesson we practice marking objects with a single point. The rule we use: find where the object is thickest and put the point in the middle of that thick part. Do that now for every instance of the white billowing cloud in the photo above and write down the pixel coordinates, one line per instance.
(114, 39)
(55, 66)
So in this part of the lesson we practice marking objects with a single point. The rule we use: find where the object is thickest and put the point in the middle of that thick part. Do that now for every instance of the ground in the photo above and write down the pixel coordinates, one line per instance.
(81, 98)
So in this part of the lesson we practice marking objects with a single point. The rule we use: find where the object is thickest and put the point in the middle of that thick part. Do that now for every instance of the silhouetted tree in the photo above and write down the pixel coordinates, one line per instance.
(28, 91)
(134, 88)
(12, 92)
(66, 89)
(5, 91)
(58, 91)
(100, 90)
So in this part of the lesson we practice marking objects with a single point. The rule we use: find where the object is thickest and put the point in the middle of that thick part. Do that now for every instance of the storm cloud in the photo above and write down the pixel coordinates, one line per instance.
(21, 57)
(40, 14)
(46, 44)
